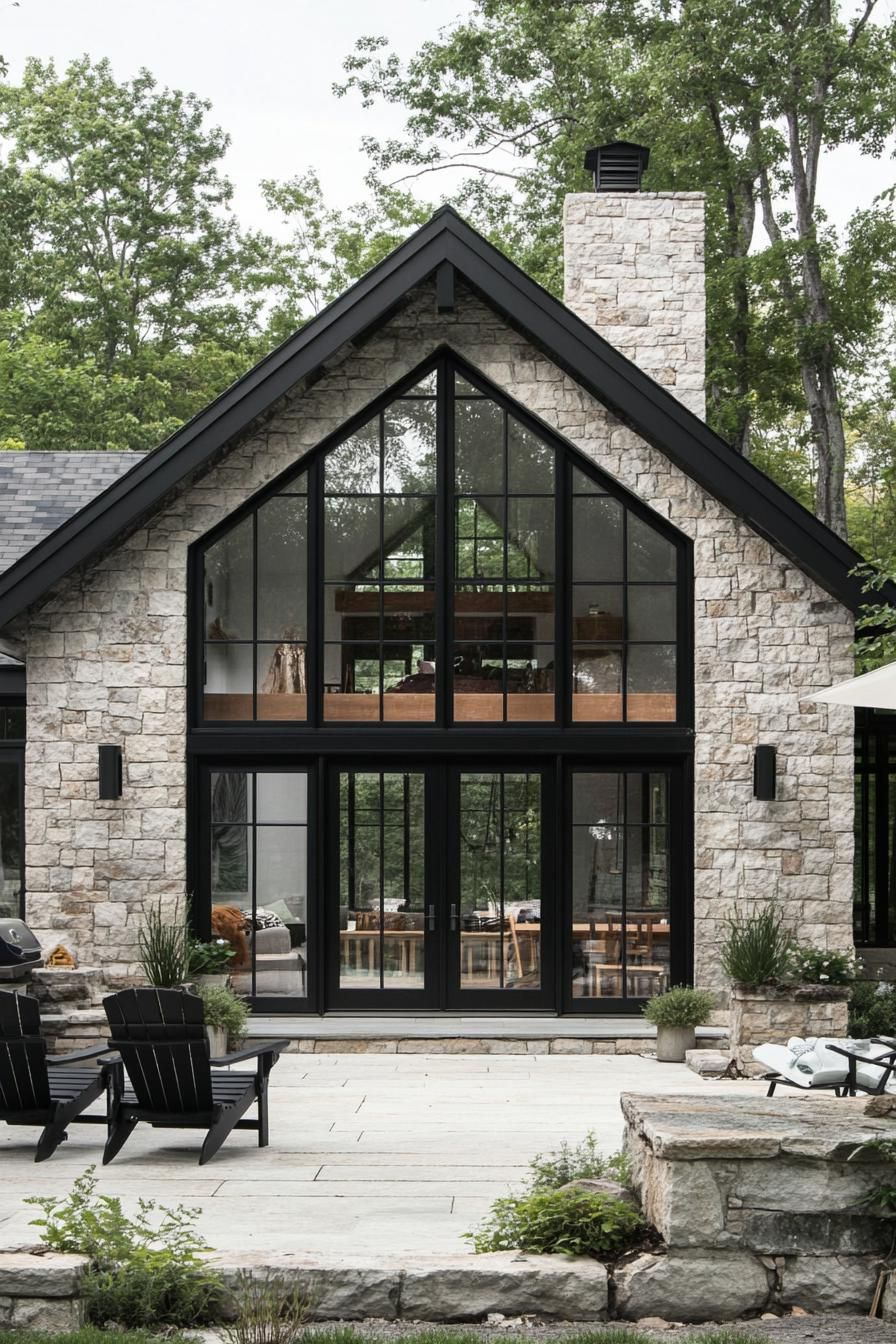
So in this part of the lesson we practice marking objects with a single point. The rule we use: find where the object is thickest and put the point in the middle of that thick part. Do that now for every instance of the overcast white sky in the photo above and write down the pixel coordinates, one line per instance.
(268, 67)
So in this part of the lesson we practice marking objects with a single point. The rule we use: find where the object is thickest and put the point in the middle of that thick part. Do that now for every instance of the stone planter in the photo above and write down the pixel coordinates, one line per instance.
(673, 1042)
(777, 1012)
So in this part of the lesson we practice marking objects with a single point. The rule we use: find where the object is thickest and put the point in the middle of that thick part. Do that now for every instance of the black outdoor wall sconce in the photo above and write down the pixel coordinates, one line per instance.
(764, 781)
(110, 772)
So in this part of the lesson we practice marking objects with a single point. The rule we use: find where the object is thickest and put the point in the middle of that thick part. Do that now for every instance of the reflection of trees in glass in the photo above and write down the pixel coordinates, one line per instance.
(230, 842)
(394, 802)
(498, 832)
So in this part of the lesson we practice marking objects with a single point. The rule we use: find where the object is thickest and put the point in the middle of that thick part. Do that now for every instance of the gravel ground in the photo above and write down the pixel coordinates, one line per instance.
(792, 1329)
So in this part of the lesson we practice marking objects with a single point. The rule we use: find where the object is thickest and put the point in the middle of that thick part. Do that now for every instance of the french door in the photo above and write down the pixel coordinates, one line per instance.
(476, 884)
(437, 887)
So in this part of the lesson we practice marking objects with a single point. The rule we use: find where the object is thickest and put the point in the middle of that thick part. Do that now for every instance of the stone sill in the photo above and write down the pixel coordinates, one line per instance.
(791, 993)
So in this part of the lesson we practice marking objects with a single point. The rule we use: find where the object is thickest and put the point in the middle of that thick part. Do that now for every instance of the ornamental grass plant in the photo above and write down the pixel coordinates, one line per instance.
(758, 949)
(163, 946)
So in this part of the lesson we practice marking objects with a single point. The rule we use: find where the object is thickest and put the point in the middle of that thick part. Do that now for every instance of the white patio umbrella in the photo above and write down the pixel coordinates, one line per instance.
(873, 690)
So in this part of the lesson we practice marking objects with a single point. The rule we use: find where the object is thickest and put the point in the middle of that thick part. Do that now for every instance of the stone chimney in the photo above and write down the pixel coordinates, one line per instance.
(633, 264)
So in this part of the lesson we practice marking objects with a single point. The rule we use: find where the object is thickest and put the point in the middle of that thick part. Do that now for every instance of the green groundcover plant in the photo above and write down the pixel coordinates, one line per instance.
(872, 1010)
(146, 1271)
(813, 966)
(576, 1162)
(560, 1222)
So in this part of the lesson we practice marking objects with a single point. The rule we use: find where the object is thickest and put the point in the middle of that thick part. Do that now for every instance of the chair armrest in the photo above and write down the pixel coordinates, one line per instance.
(78, 1056)
(886, 1061)
(251, 1052)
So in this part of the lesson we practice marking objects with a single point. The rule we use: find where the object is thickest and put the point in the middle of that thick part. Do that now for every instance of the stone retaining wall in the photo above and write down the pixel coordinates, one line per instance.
(40, 1290)
(758, 1204)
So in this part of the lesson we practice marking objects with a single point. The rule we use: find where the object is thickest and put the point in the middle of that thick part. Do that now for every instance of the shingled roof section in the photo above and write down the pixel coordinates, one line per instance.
(40, 491)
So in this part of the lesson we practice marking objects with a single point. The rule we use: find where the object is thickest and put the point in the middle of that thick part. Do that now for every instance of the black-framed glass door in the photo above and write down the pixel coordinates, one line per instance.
(482, 884)
(382, 906)
(500, 882)
(627, 935)
(436, 888)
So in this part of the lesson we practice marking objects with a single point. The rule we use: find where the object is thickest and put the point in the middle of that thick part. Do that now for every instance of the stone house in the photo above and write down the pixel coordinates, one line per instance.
(431, 660)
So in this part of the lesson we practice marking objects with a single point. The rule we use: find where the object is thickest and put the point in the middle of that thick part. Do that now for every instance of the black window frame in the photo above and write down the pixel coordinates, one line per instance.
(446, 364)
(12, 751)
(874, 883)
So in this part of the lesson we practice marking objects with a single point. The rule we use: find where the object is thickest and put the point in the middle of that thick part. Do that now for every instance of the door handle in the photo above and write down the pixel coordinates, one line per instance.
(452, 918)
(431, 919)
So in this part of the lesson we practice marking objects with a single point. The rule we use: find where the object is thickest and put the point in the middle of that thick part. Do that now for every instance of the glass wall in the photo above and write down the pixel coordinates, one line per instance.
(620, 884)
(433, 594)
(504, 565)
(255, 605)
(874, 881)
(380, 566)
(258, 864)
(625, 612)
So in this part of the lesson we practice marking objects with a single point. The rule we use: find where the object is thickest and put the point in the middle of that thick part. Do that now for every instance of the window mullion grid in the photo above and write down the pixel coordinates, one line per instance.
(315, 594)
(625, 626)
(382, 910)
(446, 523)
(563, 592)
(255, 616)
(502, 832)
(623, 945)
(505, 550)
(381, 627)
(253, 830)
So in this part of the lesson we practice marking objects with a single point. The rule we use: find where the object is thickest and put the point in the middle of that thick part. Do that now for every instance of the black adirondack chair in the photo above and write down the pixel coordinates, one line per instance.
(159, 1036)
(41, 1089)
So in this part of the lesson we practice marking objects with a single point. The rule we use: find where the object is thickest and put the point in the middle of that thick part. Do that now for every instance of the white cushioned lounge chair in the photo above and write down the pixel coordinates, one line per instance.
(826, 1065)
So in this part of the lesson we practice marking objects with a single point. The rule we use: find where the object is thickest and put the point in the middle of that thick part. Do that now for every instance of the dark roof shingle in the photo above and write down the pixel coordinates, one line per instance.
(40, 491)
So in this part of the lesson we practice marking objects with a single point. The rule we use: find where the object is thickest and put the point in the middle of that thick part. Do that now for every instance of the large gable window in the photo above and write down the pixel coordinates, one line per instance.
(445, 561)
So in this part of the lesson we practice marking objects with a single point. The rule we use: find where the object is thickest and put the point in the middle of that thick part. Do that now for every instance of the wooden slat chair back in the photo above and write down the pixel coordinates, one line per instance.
(41, 1089)
(24, 1085)
(161, 1038)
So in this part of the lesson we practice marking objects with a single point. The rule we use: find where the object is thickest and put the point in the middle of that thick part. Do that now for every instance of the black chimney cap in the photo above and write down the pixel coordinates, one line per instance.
(618, 166)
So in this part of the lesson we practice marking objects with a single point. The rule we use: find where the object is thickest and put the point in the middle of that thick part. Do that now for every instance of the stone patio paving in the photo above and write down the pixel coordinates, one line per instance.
(368, 1153)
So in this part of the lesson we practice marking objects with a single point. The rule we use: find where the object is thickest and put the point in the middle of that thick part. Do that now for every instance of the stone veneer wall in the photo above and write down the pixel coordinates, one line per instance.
(107, 663)
(633, 268)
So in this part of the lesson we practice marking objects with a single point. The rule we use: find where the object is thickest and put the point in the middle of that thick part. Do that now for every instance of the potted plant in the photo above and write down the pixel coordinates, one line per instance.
(210, 962)
(226, 1016)
(163, 947)
(778, 989)
(676, 1016)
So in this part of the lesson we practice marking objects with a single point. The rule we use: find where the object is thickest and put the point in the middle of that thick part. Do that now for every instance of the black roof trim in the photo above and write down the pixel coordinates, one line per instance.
(591, 361)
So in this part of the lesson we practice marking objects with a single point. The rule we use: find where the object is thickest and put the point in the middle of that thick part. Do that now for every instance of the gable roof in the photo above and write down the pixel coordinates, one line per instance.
(443, 246)
(40, 491)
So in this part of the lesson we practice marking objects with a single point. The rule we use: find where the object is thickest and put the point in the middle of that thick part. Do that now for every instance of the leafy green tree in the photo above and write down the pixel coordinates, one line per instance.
(126, 296)
(740, 98)
(326, 250)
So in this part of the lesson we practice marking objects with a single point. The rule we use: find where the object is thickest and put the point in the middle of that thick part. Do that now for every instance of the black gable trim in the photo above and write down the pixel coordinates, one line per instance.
(591, 361)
